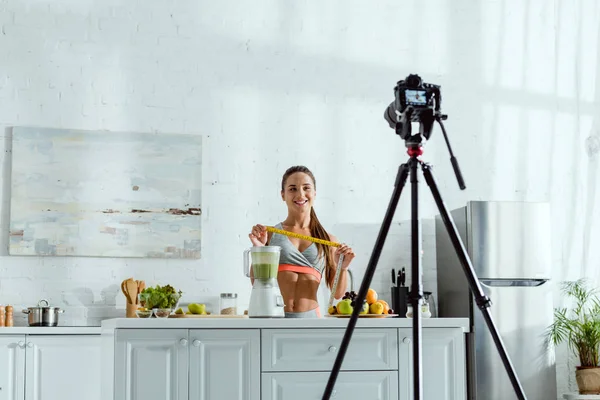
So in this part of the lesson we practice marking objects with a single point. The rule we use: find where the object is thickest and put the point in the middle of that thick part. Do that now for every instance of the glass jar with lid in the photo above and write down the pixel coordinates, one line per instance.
(228, 304)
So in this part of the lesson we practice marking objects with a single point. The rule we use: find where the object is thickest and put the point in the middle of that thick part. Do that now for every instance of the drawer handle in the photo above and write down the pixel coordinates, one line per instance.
(197, 343)
(21, 345)
(406, 340)
(332, 349)
(30, 345)
(183, 342)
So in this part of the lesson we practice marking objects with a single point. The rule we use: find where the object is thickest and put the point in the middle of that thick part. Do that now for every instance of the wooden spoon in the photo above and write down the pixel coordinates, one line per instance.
(124, 288)
(132, 290)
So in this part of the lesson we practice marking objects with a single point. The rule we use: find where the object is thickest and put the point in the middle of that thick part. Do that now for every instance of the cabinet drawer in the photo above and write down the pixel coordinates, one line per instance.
(371, 385)
(316, 349)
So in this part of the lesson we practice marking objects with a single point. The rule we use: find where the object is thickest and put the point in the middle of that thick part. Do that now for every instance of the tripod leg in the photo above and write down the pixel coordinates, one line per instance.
(416, 291)
(481, 300)
(401, 178)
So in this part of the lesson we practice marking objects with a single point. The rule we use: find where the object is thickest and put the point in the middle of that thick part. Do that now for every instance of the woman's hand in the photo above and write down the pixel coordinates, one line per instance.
(259, 235)
(348, 255)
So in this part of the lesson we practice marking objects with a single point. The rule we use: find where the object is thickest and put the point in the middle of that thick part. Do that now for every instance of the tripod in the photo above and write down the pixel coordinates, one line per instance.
(415, 150)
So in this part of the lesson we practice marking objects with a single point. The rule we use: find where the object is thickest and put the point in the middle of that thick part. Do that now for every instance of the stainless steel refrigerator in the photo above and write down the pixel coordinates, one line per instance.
(509, 244)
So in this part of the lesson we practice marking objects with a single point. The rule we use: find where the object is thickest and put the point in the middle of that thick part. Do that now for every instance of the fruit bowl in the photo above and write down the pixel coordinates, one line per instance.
(362, 315)
(373, 307)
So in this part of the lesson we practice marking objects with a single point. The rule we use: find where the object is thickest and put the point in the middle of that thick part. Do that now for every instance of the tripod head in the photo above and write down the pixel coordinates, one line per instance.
(419, 102)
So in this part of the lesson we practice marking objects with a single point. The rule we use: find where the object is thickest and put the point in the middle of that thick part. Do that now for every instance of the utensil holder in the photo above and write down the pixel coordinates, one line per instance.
(130, 310)
(400, 300)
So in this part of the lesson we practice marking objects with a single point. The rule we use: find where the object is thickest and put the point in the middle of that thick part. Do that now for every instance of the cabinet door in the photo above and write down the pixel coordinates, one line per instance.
(151, 364)
(363, 385)
(225, 364)
(443, 364)
(12, 367)
(311, 350)
(63, 367)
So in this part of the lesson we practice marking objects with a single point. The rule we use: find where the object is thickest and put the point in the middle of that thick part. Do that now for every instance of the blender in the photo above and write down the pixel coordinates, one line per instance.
(265, 299)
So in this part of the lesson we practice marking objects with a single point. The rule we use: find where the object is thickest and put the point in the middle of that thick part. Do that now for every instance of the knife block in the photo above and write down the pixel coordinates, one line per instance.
(400, 300)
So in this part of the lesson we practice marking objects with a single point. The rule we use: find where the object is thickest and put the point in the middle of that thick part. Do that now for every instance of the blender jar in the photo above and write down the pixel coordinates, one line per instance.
(264, 261)
(228, 304)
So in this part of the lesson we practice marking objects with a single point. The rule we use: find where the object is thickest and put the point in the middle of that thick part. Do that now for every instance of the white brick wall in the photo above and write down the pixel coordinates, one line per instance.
(280, 83)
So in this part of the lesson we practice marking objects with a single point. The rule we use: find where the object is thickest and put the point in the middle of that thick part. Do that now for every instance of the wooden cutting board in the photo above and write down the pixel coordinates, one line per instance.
(207, 316)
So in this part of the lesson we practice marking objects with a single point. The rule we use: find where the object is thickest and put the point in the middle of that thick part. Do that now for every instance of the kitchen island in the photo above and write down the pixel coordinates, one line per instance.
(278, 359)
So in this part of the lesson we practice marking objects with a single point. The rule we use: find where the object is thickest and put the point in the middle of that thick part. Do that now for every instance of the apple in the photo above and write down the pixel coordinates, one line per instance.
(345, 307)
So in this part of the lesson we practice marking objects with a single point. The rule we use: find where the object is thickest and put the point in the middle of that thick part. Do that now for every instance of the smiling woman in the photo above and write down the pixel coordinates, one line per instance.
(303, 263)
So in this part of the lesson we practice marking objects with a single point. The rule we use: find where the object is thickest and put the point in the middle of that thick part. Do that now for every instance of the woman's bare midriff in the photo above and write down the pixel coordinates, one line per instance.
(299, 291)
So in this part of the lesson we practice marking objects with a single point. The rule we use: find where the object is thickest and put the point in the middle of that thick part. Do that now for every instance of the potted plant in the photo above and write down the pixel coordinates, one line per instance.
(579, 326)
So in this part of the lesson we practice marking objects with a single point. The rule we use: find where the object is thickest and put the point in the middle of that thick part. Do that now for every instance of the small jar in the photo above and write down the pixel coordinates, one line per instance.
(228, 304)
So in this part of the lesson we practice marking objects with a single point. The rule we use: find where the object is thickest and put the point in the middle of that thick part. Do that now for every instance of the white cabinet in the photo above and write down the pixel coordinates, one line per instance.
(151, 364)
(279, 363)
(181, 364)
(224, 364)
(12, 367)
(443, 364)
(49, 367)
(317, 349)
(63, 367)
(372, 385)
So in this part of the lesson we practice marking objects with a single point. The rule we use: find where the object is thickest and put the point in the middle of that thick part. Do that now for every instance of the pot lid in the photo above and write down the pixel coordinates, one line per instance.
(42, 304)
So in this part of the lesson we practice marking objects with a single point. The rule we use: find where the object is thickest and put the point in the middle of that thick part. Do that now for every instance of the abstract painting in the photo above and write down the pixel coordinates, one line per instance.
(105, 194)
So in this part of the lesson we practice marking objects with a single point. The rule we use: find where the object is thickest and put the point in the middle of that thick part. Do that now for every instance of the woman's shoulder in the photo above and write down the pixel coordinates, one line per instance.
(332, 237)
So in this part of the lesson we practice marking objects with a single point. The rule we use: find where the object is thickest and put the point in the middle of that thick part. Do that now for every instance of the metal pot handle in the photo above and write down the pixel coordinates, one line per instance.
(25, 311)
(43, 300)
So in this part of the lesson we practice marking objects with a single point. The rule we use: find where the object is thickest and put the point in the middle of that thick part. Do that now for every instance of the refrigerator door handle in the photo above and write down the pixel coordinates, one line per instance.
(512, 282)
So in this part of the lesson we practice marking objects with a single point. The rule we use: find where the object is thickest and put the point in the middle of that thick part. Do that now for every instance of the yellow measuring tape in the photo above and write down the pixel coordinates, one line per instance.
(299, 236)
(315, 240)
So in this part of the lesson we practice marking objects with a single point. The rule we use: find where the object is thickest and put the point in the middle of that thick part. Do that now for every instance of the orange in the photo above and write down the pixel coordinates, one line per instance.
(386, 306)
(371, 296)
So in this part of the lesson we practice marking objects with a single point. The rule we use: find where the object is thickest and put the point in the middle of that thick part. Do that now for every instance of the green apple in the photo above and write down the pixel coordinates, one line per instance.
(197, 308)
(345, 307)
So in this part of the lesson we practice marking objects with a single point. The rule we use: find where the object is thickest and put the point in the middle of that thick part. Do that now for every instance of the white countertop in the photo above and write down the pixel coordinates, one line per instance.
(278, 323)
(50, 330)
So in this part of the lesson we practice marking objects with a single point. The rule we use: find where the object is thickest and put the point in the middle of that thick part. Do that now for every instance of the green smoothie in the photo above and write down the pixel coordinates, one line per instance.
(265, 271)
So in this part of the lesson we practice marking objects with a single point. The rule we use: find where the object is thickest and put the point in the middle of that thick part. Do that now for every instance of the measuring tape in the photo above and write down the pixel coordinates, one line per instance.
(315, 240)
(299, 236)
(335, 281)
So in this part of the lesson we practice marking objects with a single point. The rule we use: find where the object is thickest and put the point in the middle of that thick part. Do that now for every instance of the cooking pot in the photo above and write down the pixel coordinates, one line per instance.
(43, 315)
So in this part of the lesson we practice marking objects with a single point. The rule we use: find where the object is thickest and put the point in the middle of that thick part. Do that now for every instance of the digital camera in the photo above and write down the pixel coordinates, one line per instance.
(415, 101)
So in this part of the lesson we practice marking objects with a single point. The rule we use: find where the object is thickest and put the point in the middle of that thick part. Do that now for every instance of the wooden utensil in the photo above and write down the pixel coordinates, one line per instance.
(141, 286)
(132, 289)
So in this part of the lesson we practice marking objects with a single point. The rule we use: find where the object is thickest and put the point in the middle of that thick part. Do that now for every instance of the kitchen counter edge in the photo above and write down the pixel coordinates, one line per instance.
(50, 330)
(276, 323)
